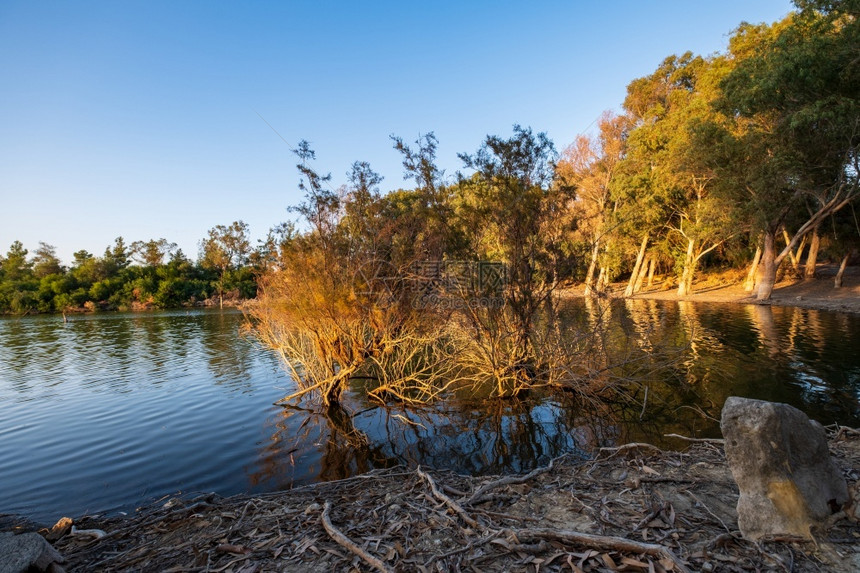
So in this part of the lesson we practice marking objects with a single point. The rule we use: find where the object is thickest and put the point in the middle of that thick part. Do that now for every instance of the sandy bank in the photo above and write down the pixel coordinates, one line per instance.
(818, 293)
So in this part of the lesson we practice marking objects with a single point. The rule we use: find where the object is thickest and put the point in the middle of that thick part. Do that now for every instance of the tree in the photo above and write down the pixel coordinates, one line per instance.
(15, 266)
(152, 252)
(419, 164)
(117, 258)
(45, 261)
(589, 166)
(271, 251)
(665, 160)
(792, 108)
(515, 199)
(225, 249)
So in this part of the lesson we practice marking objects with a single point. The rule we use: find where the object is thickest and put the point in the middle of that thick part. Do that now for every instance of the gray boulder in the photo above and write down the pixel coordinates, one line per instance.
(781, 462)
(27, 552)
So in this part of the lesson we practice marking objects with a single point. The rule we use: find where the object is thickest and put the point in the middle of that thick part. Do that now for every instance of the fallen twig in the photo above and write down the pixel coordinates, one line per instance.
(456, 507)
(703, 440)
(708, 509)
(507, 481)
(345, 542)
(632, 446)
(602, 542)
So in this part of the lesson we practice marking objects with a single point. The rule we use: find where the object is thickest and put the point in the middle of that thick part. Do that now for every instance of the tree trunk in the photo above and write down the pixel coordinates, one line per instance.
(791, 257)
(684, 286)
(749, 283)
(629, 290)
(812, 256)
(767, 268)
(637, 286)
(601, 280)
(837, 283)
(589, 277)
(651, 267)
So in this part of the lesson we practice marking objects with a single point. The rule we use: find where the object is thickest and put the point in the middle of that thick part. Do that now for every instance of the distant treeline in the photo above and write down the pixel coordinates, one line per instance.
(136, 276)
(748, 158)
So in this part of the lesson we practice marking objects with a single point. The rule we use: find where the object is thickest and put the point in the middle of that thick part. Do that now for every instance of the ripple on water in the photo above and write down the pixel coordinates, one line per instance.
(108, 411)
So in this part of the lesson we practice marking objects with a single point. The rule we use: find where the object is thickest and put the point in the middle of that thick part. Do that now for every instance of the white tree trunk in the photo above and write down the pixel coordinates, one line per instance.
(795, 261)
(589, 277)
(601, 280)
(749, 283)
(629, 290)
(651, 268)
(685, 285)
(812, 256)
(767, 268)
(637, 286)
(837, 282)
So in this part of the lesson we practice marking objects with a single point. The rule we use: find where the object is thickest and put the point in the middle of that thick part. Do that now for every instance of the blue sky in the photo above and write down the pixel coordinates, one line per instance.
(141, 119)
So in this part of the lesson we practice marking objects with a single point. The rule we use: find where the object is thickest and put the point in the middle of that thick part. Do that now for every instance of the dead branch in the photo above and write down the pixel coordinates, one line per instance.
(345, 542)
(301, 392)
(708, 509)
(703, 440)
(507, 481)
(603, 542)
(446, 500)
(632, 446)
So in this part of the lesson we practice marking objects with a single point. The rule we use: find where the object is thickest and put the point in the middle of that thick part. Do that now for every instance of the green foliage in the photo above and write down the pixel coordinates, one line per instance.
(111, 282)
(711, 157)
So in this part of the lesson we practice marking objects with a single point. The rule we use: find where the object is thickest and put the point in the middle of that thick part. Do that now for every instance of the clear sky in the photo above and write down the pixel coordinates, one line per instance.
(141, 119)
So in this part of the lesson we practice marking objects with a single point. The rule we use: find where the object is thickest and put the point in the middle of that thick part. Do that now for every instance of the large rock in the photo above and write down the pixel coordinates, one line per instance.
(781, 463)
(27, 552)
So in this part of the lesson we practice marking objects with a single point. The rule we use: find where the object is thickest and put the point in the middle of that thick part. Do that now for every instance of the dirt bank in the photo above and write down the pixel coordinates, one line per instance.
(632, 508)
(818, 293)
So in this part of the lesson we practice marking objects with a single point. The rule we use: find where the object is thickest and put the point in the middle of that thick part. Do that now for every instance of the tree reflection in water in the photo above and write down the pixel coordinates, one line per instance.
(469, 437)
(669, 366)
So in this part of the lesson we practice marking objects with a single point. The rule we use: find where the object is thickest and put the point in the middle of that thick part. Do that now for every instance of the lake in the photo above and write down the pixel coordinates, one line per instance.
(107, 412)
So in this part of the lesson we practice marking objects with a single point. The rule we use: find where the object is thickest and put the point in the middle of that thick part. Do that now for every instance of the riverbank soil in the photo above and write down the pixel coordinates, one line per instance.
(817, 293)
(631, 508)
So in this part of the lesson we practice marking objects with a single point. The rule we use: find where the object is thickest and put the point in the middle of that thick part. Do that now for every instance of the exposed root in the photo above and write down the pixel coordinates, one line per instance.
(445, 499)
(603, 542)
(611, 513)
(507, 480)
(627, 447)
(696, 440)
(344, 541)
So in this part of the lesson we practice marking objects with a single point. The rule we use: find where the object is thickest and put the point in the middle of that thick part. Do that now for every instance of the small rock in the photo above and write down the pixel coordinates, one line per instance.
(173, 502)
(313, 508)
(781, 462)
(61, 528)
(26, 552)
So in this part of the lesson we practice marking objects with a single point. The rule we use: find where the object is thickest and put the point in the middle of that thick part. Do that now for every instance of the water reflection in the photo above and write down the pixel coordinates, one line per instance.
(679, 363)
(156, 403)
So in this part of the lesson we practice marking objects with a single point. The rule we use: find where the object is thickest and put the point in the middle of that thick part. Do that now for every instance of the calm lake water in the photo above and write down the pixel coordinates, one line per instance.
(110, 411)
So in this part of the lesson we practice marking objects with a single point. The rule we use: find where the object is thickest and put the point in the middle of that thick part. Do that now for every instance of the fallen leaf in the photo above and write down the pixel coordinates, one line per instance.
(235, 549)
(633, 562)
(609, 561)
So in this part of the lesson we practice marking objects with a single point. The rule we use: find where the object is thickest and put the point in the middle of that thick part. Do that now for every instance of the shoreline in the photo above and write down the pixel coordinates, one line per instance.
(634, 506)
(812, 294)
